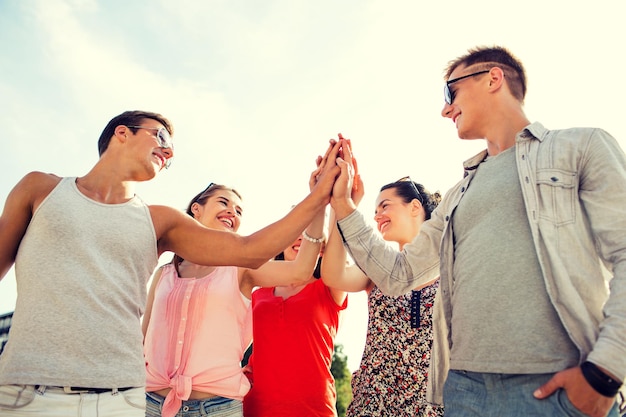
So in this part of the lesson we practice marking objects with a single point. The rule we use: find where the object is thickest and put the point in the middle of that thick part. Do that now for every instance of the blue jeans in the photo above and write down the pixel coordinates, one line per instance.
(475, 394)
(215, 407)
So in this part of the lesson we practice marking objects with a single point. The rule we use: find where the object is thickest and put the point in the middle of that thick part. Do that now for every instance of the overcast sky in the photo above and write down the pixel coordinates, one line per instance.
(256, 88)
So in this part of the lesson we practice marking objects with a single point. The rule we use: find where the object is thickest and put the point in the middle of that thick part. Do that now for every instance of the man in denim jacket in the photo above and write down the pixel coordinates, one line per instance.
(531, 249)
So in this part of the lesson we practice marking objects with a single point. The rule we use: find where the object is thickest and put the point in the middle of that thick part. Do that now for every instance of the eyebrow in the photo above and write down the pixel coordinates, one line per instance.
(226, 199)
(381, 203)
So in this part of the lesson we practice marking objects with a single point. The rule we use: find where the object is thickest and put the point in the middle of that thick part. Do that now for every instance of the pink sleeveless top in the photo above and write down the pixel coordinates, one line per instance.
(199, 330)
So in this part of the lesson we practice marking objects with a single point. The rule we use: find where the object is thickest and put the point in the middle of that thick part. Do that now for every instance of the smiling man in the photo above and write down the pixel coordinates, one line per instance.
(84, 249)
(535, 326)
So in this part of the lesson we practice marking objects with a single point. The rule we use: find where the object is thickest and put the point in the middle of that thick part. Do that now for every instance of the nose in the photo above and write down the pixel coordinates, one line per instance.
(447, 110)
(168, 152)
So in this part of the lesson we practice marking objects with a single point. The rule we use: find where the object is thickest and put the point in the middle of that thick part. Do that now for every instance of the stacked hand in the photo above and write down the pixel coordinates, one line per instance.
(348, 188)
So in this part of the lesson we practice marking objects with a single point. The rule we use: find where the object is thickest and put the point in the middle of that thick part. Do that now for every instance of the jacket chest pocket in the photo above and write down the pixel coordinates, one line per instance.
(557, 193)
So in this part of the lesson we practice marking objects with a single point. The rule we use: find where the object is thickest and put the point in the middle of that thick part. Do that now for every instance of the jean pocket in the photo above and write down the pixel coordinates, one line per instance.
(567, 405)
(16, 396)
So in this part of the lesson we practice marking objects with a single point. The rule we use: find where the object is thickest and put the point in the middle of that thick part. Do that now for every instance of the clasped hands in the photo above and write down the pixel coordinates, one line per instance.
(346, 190)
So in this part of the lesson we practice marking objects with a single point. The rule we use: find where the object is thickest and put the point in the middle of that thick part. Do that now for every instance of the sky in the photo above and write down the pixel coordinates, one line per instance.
(255, 89)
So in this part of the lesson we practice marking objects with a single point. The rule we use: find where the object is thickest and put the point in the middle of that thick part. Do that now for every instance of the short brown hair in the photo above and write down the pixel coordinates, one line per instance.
(495, 56)
(132, 118)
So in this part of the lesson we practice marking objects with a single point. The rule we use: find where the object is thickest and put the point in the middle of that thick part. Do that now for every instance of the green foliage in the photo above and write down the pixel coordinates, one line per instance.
(341, 373)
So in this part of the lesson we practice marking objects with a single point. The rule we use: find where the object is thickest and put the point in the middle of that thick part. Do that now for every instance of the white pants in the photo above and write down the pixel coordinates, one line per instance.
(31, 400)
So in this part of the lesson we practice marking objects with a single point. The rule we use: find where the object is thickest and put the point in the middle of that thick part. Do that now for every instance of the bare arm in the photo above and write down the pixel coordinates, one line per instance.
(181, 234)
(19, 207)
(335, 271)
(298, 271)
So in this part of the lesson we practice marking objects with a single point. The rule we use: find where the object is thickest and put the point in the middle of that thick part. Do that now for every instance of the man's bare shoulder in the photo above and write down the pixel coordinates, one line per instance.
(37, 184)
(29, 192)
(42, 178)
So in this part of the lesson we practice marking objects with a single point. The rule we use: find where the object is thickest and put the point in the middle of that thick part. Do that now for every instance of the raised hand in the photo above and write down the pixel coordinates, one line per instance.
(343, 188)
(324, 181)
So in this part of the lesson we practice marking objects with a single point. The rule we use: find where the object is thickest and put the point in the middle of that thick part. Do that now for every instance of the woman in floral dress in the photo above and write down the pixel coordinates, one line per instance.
(392, 379)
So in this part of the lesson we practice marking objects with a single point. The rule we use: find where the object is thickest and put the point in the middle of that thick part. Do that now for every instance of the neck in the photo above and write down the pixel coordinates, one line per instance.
(105, 187)
(503, 128)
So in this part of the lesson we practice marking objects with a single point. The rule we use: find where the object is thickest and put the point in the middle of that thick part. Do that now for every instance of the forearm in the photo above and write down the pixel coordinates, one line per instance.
(394, 272)
(609, 350)
(335, 271)
(335, 256)
(309, 252)
(271, 240)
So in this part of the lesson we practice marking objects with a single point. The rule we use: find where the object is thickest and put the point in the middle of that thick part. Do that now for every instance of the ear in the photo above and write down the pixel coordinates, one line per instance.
(416, 207)
(121, 132)
(496, 79)
(195, 209)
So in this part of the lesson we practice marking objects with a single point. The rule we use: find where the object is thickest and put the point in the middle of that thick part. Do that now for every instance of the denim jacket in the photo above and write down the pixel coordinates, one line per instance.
(574, 188)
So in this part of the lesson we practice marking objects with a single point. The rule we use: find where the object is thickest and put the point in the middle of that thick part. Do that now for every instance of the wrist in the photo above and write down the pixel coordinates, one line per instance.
(312, 239)
(602, 383)
(343, 208)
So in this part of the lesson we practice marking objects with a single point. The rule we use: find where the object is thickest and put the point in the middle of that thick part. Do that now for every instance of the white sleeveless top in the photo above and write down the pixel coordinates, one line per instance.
(81, 271)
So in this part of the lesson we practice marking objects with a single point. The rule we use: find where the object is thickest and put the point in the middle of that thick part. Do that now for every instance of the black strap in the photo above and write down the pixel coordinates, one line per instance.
(601, 382)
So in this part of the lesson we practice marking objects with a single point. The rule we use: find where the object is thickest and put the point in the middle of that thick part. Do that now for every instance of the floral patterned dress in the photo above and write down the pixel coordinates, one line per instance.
(391, 379)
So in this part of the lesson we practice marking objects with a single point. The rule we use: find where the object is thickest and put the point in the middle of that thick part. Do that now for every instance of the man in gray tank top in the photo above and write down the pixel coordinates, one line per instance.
(84, 249)
(536, 324)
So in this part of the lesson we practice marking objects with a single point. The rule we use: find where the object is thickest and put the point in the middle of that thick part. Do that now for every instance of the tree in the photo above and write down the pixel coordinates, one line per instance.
(339, 369)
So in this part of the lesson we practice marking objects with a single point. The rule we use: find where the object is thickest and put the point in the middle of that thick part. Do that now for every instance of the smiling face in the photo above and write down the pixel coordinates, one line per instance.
(138, 150)
(397, 221)
(467, 108)
(221, 211)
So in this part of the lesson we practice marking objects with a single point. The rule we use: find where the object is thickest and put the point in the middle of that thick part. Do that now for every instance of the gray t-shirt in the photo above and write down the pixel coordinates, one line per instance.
(502, 319)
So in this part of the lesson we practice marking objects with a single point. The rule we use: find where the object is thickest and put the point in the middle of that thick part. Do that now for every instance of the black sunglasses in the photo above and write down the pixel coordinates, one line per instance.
(211, 184)
(448, 94)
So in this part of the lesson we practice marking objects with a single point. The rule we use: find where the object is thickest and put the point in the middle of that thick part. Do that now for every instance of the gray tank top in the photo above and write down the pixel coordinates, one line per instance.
(81, 271)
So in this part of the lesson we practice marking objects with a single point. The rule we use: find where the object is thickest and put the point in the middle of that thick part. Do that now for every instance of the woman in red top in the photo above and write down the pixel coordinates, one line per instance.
(294, 329)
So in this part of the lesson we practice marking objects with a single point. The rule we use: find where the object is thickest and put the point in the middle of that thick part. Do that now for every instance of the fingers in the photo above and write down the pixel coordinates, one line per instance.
(328, 161)
(331, 145)
(548, 388)
(347, 151)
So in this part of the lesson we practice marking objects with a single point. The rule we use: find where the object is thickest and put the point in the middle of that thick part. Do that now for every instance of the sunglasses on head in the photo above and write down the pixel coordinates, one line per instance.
(203, 192)
(417, 192)
(448, 94)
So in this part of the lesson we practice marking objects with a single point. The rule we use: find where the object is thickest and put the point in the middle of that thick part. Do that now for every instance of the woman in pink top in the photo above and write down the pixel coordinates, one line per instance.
(198, 321)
